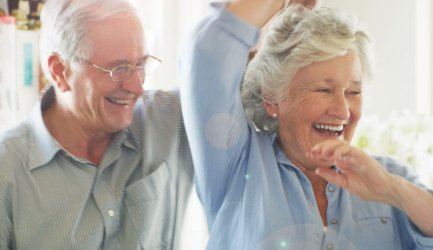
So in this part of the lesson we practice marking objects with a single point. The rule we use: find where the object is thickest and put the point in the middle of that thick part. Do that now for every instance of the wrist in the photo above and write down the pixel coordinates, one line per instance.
(399, 188)
(257, 12)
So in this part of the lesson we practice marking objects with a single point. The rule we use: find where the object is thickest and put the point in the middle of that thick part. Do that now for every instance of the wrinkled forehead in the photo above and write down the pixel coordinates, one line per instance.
(345, 69)
(117, 35)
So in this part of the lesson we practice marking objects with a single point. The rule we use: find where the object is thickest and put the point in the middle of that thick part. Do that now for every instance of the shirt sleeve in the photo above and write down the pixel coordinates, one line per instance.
(5, 202)
(417, 238)
(212, 65)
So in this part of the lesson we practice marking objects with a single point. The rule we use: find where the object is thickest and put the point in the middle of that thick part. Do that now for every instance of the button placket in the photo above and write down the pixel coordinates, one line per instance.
(331, 188)
(111, 212)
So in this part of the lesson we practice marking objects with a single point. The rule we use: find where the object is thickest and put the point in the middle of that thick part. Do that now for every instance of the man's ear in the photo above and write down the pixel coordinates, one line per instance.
(58, 72)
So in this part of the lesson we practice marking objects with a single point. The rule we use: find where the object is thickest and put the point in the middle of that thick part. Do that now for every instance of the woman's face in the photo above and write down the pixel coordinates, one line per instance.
(324, 102)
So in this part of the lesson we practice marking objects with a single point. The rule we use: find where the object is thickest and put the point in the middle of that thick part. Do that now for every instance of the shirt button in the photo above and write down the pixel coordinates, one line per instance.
(334, 221)
(384, 220)
(331, 188)
(330, 246)
(111, 212)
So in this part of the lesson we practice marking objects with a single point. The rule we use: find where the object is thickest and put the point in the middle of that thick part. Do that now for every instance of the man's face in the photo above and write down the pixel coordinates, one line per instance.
(99, 103)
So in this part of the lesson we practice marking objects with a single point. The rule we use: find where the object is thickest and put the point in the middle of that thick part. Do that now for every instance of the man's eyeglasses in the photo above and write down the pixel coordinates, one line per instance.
(124, 71)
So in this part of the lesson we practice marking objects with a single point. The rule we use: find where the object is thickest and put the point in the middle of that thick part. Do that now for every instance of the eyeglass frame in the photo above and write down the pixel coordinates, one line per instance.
(141, 72)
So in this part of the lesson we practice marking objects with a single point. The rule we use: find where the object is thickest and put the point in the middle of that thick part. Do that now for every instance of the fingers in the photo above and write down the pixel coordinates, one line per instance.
(256, 13)
(339, 153)
(331, 151)
(333, 176)
(307, 3)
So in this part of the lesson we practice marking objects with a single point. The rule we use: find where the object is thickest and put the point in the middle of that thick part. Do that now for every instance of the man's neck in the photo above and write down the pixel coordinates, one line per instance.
(78, 140)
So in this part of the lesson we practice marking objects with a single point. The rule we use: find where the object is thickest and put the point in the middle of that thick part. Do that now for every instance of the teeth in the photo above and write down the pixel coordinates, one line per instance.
(120, 101)
(337, 128)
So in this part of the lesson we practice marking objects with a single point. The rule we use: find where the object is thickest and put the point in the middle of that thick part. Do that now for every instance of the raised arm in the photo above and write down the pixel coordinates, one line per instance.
(211, 67)
(255, 12)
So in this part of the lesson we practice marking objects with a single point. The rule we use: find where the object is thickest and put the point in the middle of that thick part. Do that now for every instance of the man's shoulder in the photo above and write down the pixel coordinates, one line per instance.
(171, 93)
(162, 99)
(160, 108)
(17, 137)
(158, 125)
(14, 145)
(158, 114)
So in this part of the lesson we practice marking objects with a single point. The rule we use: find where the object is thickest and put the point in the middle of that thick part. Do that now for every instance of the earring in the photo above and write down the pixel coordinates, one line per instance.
(274, 115)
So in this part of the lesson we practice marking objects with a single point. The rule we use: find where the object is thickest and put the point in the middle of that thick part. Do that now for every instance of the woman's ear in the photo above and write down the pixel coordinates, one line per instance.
(271, 109)
(58, 71)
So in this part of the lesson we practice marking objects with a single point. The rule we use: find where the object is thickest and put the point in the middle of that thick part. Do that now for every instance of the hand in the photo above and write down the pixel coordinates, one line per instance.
(255, 12)
(259, 12)
(307, 3)
(360, 174)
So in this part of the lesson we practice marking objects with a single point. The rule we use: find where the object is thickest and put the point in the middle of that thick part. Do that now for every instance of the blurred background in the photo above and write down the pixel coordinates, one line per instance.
(398, 106)
(402, 32)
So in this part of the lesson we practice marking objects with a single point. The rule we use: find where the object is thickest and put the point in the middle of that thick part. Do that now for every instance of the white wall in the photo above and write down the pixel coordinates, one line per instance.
(430, 21)
(424, 49)
(403, 70)
(393, 26)
(167, 22)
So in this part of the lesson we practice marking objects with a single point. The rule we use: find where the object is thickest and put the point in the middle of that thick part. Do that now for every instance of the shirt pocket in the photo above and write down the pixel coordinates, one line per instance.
(375, 220)
(377, 230)
(147, 209)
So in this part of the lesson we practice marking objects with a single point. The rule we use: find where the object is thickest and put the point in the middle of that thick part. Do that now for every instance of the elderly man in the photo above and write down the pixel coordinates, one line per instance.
(100, 163)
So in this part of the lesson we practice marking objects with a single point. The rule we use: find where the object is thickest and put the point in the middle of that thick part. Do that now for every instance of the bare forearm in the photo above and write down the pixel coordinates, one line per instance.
(255, 12)
(417, 203)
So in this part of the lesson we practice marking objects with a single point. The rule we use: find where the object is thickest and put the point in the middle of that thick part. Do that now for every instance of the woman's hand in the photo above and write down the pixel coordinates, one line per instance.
(360, 174)
(259, 12)
(365, 177)
(307, 3)
(255, 12)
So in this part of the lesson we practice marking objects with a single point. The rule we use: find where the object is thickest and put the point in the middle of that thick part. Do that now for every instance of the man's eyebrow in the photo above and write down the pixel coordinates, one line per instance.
(116, 63)
(121, 61)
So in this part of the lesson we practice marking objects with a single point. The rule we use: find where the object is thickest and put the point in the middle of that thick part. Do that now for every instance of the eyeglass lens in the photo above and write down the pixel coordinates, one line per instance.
(123, 72)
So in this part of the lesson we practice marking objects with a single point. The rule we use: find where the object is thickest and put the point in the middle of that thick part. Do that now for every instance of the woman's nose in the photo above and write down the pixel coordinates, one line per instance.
(340, 107)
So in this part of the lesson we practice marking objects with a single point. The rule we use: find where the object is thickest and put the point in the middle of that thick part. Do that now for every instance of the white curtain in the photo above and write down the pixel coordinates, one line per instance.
(167, 22)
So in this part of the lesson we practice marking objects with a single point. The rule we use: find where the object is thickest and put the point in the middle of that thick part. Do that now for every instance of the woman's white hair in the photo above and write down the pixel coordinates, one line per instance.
(296, 38)
(65, 24)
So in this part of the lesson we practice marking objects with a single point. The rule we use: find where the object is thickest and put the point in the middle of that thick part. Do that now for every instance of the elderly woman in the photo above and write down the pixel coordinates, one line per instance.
(270, 141)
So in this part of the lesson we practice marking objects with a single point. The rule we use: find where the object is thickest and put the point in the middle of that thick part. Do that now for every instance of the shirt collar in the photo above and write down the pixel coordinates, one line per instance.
(127, 139)
(279, 153)
(42, 145)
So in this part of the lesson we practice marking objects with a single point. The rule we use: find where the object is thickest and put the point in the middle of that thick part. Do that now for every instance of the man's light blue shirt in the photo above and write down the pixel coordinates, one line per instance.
(253, 196)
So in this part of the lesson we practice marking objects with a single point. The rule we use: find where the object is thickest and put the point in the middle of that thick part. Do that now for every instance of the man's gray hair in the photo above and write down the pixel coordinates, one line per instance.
(65, 24)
